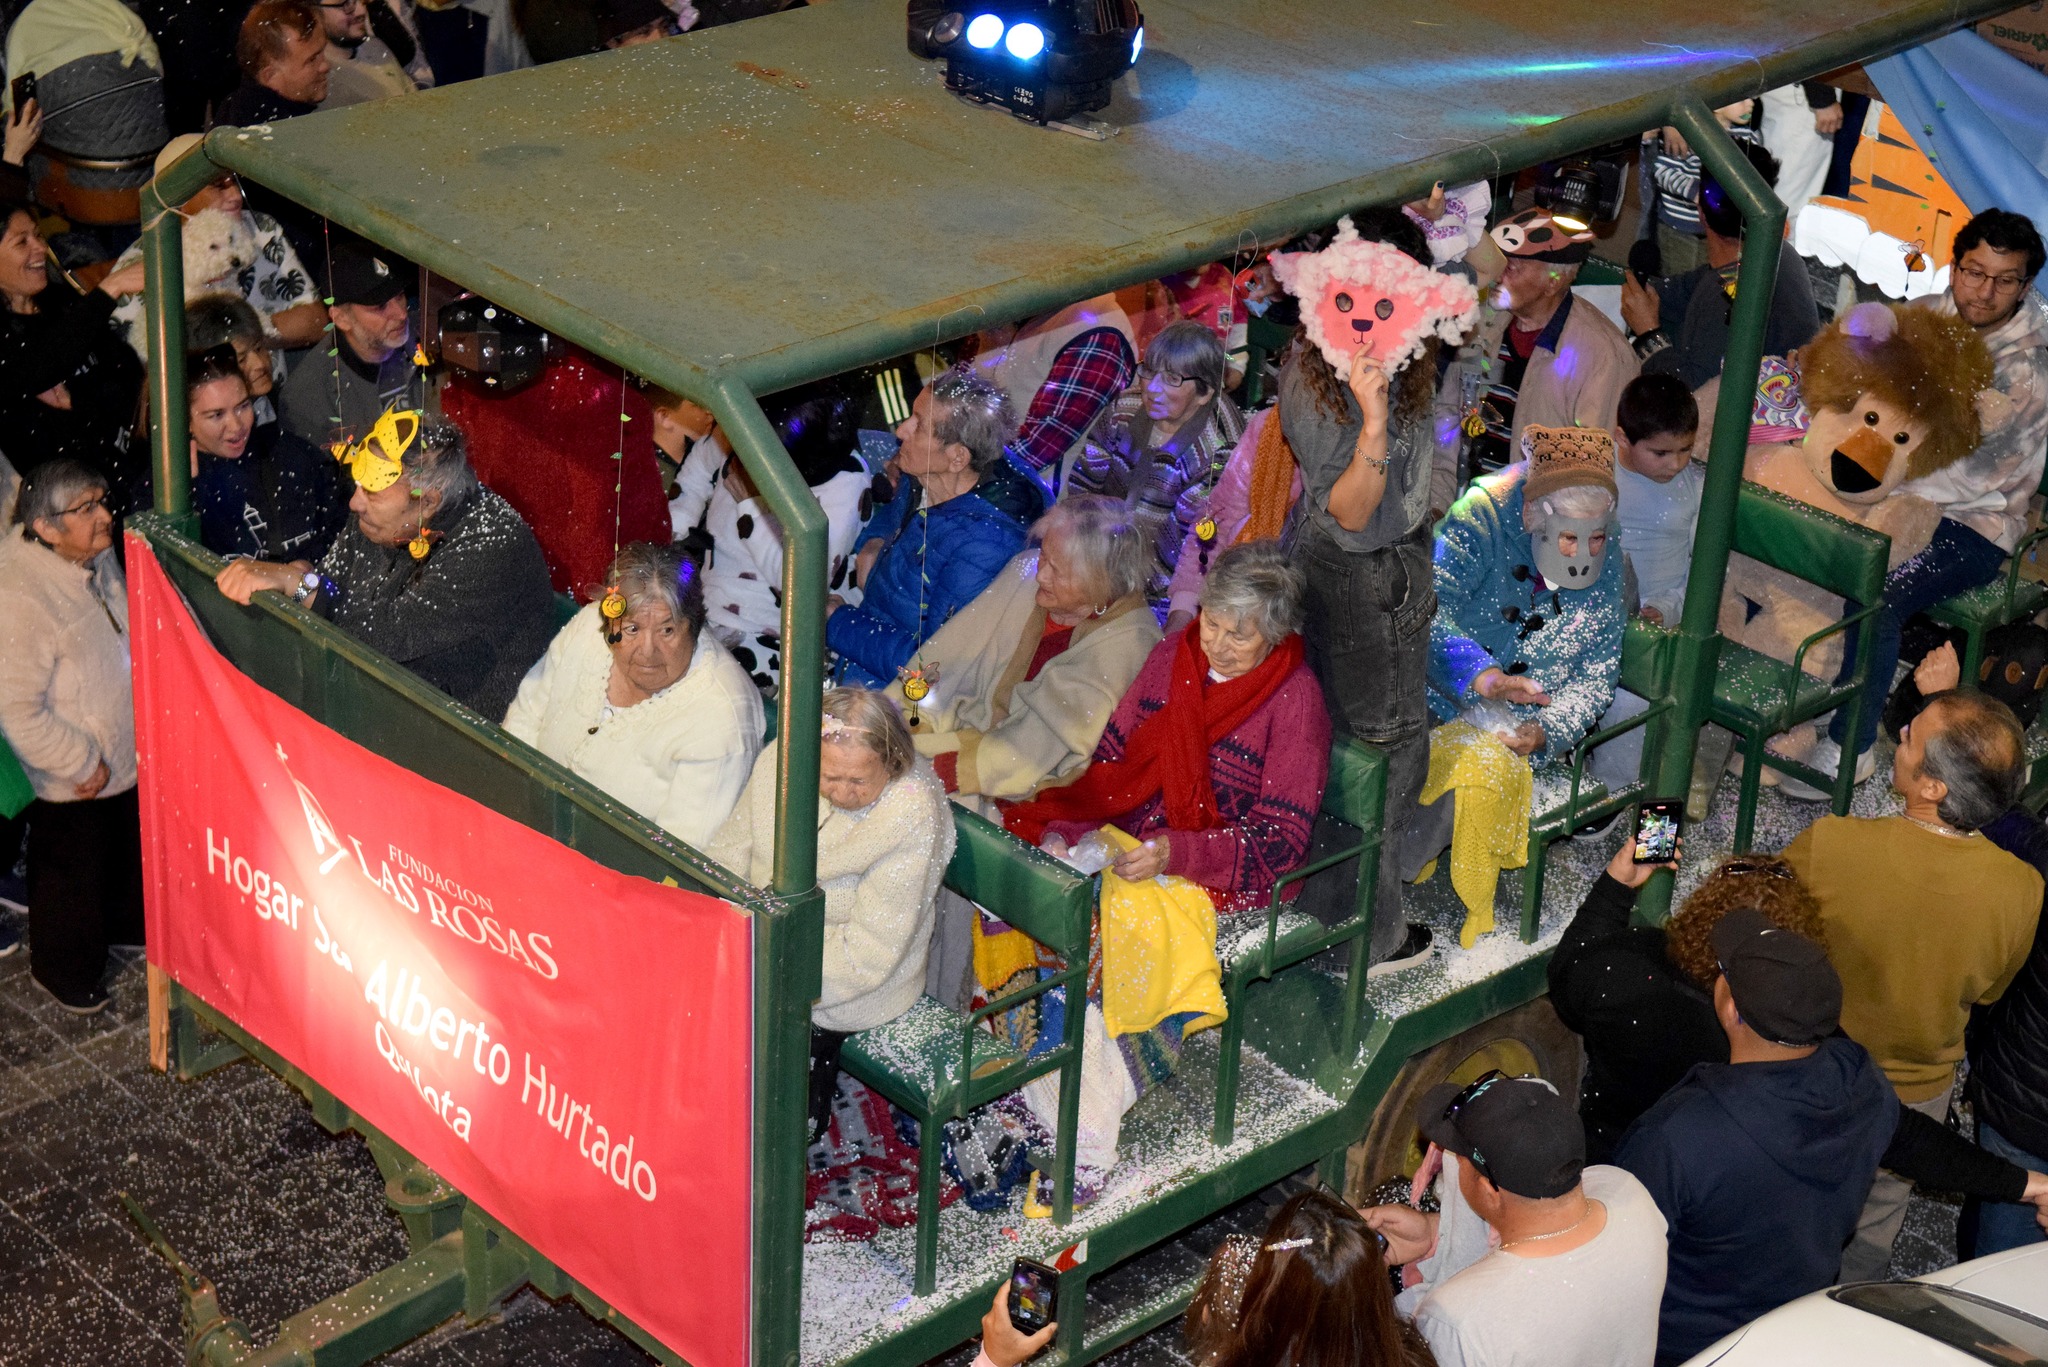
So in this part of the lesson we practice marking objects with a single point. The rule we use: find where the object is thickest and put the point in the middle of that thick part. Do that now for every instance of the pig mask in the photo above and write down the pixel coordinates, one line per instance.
(1357, 293)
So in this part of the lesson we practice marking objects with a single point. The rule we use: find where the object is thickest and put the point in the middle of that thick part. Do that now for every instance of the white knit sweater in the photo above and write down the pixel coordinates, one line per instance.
(67, 697)
(679, 758)
(880, 868)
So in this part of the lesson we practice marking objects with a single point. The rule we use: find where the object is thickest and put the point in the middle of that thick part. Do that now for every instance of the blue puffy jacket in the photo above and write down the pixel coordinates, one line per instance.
(969, 538)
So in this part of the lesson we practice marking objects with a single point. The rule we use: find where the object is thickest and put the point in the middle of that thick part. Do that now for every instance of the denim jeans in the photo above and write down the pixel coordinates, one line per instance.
(1956, 559)
(1366, 628)
(2005, 1224)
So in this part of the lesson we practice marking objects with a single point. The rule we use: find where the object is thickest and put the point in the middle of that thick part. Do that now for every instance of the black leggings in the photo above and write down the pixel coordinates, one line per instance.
(825, 1047)
(84, 888)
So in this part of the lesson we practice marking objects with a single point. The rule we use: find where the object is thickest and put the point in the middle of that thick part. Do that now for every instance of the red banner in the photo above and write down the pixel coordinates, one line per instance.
(569, 1046)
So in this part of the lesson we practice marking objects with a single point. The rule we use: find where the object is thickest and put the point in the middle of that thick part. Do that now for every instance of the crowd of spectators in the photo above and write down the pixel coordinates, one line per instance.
(1079, 590)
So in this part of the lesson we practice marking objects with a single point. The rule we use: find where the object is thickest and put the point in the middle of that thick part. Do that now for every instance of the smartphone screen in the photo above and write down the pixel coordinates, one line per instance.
(1032, 1289)
(1657, 832)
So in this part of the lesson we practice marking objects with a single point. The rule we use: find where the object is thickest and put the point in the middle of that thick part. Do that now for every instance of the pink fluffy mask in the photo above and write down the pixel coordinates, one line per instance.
(1355, 292)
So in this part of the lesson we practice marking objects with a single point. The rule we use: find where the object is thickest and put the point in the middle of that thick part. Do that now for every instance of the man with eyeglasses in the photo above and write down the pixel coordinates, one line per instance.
(1984, 496)
(1536, 1259)
(370, 50)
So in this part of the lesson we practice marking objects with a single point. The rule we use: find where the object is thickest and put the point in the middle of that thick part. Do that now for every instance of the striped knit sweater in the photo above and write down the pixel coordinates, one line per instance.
(1268, 775)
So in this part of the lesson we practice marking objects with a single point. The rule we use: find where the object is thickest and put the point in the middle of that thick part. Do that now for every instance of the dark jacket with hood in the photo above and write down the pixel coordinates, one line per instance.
(934, 561)
(1761, 1170)
(2009, 1038)
(281, 500)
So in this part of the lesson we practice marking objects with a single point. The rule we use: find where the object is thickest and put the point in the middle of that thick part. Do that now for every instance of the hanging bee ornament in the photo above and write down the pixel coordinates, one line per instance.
(1475, 422)
(1916, 256)
(613, 604)
(420, 544)
(917, 683)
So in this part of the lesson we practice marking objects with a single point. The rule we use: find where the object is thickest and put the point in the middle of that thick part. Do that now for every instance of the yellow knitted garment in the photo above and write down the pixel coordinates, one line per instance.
(1494, 787)
(1158, 950)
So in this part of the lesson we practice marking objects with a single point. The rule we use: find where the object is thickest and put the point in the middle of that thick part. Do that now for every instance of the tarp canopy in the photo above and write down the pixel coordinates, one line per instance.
(789, 197)
(1980, 114)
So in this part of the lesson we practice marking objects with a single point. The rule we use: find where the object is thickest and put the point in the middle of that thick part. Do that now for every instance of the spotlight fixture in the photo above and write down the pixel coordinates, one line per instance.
(1588, 187)
(1043, 60)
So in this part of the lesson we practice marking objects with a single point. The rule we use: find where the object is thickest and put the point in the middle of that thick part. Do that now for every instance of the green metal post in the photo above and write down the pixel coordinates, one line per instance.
(789, 945)
(163, 302)
(1699, 645)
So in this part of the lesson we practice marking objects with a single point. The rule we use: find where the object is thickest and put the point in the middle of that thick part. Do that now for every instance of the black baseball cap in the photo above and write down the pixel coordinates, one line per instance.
(1516, 1131)
(367, 277)
(1782, 982)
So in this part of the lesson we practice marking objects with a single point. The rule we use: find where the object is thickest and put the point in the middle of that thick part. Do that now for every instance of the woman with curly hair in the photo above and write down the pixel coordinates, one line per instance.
(1642, 997)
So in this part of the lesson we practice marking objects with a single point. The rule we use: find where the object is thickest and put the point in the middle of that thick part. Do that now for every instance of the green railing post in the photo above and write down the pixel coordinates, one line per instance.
(163, 302)
(1698, 649)
(788, 946)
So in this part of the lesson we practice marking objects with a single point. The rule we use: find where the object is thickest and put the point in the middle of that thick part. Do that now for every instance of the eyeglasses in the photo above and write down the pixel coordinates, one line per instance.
(2000, 284)
(98, 500)
(1171, 379)
(1735, 868)
(1480, 1087)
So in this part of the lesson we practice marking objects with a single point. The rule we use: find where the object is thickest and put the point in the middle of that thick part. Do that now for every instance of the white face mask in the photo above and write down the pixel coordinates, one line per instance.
(1571, 551)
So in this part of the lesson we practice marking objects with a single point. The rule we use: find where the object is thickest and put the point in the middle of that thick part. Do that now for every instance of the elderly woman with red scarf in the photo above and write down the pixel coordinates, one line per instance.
(1215, 762)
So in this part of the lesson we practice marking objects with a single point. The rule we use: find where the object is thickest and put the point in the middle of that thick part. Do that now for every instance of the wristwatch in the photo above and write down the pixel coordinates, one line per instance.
(309, 584)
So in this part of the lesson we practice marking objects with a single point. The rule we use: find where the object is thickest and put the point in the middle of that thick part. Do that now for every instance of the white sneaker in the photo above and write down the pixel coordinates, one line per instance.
(1826, 757)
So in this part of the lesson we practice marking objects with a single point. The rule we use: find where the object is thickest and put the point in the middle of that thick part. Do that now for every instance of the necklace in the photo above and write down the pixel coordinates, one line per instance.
(1591, 1206)
(1937, 827)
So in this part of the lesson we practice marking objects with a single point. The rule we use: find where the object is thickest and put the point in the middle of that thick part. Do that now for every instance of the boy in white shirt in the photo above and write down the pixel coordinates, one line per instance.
(1656, 423)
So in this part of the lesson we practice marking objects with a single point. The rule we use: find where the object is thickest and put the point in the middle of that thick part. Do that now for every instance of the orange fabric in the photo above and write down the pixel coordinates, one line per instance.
(1272, 485)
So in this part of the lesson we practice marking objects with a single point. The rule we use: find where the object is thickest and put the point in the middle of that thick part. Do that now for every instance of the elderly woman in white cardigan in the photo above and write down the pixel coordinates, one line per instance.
(646, 705)
(67, 708)
(1030, 670)
(885, 836)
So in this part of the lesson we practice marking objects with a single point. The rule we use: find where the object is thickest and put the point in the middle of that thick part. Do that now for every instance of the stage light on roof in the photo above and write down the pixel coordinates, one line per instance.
(984, 31)
(1024, 41)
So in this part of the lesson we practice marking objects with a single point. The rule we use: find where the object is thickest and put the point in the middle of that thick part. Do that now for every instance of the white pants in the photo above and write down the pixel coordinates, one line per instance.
(1803, 153)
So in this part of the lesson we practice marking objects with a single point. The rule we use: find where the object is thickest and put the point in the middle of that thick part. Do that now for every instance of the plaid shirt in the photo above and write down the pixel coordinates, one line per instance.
(1086, 377)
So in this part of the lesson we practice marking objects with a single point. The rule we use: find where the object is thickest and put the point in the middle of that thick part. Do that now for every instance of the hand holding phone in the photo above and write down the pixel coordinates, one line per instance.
(1656, 833)
(23, 90)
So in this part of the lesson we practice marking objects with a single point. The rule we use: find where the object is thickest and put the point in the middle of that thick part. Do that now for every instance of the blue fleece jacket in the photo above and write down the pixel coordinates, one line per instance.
(1761, 1170)
(955, 549)
(1486, 571)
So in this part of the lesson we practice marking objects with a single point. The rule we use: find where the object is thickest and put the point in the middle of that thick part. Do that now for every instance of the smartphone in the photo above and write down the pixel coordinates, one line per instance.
(1657, 826)
(24, 91)
(1033, 1287)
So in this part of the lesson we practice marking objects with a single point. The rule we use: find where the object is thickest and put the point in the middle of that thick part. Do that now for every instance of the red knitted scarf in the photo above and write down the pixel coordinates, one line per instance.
(1168, 753)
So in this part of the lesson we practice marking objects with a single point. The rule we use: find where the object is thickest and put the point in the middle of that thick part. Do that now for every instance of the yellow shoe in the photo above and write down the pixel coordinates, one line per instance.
(1035, 1208)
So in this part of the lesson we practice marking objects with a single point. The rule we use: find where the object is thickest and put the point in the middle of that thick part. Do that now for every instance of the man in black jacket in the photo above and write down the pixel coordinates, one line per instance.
(282, 51)
(1761, 1165)
(436, 571)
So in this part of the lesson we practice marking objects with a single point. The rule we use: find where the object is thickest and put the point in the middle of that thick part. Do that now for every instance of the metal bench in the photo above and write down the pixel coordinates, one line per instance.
(1566, 800)
(939, 1063)
(1356, 795)
(1756, 696)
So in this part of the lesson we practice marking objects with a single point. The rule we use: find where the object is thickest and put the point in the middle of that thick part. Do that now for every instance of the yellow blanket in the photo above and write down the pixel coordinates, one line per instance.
(1158, 951)
(1156, 941)
(1494, 788)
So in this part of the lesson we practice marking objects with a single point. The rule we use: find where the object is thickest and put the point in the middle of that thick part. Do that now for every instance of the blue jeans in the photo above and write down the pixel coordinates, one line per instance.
(1956, 559)
(2005, 1224)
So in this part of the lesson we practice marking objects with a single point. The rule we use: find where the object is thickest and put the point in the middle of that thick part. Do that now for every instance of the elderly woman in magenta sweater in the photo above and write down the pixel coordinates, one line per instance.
(1215, 762)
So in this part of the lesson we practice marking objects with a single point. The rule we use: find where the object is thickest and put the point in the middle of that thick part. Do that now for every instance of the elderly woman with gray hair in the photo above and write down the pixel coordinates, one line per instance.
(1032, 668)
(885, 836)
(1215, 762)
(956, 520)
(646, 705)
(67, 710)
(1162, 446)
(434, 570)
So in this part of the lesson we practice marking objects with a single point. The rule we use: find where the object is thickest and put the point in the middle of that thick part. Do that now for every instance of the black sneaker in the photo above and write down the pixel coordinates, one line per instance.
(87, 1002)
(1417, 945)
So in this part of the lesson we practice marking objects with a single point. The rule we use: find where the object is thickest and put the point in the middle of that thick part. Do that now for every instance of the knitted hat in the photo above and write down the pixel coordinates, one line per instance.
(1560, 457)
(1539, 235)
